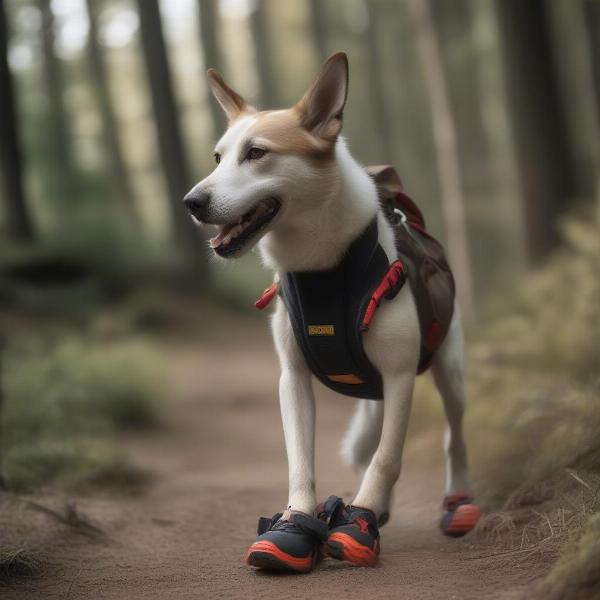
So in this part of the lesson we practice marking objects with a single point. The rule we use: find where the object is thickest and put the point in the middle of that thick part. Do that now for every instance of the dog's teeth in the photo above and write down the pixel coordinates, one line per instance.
(230, 235)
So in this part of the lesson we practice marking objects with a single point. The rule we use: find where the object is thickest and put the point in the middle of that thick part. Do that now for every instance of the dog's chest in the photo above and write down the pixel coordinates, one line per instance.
(326, 309)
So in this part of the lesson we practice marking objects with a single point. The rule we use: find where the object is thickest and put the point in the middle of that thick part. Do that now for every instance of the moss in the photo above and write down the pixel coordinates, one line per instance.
(65, 402)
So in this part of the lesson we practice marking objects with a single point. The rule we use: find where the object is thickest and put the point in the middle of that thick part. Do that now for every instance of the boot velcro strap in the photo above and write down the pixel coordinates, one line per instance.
(265, 524)
(306, 523)
(357, 512)
(329, 510)
(310, 525)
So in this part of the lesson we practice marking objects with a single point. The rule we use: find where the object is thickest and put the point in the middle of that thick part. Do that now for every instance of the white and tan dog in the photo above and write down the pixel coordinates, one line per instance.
(285, 181)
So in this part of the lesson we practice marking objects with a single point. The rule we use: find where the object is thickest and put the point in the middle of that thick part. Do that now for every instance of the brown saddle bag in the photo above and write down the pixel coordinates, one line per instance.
(431, 279)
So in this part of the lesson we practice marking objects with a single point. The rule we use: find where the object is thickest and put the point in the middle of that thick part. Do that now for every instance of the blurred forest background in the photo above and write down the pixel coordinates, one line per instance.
(107, 119)
(489, 109)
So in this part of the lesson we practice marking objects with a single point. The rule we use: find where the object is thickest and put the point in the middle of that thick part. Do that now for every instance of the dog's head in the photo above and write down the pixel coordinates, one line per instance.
(272, 166)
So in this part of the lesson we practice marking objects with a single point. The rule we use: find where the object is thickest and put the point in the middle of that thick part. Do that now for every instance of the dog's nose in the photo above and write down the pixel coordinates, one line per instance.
(196, 202)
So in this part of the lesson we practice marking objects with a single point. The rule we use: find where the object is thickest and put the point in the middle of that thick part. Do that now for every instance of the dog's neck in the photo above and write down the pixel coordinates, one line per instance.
(318, 238)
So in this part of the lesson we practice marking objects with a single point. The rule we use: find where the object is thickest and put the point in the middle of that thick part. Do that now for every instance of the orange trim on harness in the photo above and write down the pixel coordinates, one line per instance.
(348, 378)
(390, 285)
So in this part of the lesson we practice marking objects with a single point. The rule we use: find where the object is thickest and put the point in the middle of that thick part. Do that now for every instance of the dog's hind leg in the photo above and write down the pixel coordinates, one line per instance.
(448, 373)
(460, 513)
(363, 435)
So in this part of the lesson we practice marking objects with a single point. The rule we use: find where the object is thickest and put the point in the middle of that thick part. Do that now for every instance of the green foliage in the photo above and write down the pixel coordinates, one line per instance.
(556, 322)
(77, 274)
(65, 402)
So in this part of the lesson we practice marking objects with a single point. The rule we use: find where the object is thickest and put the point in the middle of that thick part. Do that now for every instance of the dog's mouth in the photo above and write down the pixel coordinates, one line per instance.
(235, 236)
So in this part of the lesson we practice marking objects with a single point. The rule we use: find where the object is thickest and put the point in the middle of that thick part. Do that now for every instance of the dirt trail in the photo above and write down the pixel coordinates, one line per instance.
(219, 464)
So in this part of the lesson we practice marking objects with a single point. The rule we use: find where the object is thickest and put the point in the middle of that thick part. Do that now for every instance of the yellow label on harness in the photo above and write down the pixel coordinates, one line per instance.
(315, 330)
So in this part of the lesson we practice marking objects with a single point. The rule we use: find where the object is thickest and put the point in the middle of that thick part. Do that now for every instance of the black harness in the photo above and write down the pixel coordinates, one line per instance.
(331, 309)
(327, 310)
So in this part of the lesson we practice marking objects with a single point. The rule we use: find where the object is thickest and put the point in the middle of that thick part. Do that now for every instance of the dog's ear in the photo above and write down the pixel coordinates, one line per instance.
(322, 106)
(231, 102)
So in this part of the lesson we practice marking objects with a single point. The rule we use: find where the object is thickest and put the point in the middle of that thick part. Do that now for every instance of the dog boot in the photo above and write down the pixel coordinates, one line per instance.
(290, 541)
(353, 532)
(460, 514)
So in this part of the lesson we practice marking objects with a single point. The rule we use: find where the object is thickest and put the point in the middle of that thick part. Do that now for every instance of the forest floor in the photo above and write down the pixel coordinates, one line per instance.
(217, 465)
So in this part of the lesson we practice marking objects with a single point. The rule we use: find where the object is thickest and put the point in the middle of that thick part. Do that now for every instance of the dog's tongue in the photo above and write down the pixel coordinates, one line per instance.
(224, 236)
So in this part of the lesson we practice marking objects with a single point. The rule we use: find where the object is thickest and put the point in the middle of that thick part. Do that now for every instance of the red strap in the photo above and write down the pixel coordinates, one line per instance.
(434, 335)
(267, 296)
(395, 275)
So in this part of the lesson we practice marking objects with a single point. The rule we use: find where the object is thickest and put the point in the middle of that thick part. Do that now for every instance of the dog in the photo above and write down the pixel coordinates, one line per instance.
(286, 183)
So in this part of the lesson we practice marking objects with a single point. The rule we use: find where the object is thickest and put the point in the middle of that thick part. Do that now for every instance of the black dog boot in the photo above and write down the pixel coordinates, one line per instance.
(353, 532)
(460, 514)
(290, 541)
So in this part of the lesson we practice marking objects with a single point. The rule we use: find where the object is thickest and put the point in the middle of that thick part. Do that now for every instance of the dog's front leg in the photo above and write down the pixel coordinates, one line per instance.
(297, 403)
(384, 469)
(292, 540)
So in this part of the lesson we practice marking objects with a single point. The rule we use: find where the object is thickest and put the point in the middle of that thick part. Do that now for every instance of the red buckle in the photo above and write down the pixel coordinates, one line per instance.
(267, 296)
(390, 285)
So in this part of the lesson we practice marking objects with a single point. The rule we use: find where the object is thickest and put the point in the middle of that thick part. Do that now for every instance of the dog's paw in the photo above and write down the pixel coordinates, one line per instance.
(460, 514)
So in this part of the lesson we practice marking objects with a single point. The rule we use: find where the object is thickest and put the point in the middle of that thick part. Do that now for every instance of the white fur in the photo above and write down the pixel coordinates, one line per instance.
(323, 210)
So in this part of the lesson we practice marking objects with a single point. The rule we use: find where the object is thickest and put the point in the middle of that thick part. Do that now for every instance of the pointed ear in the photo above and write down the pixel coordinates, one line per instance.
(322, 106)
(231, 102)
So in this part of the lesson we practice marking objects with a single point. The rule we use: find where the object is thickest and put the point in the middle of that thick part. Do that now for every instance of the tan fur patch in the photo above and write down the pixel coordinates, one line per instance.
(283, 134)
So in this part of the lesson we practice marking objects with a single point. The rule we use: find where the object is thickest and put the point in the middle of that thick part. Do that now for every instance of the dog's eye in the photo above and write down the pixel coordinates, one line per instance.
(217, 157)
(255, 153)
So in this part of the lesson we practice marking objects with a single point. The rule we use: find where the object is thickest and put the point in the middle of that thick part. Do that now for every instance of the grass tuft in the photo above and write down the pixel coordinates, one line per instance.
(17, 564)
(576, 575)
(535, 416)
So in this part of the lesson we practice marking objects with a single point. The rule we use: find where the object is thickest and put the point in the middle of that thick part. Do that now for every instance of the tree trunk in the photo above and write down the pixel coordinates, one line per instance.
(2, 480)
(19, 224)
(213, 58)
(377, 92)
(546, 170)
(592, 18)
(318, 27)
(444, 134)
(572, 47)
(112, 144)
(60, 143)
(268, 94)
(170, 142)
(454, 26)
